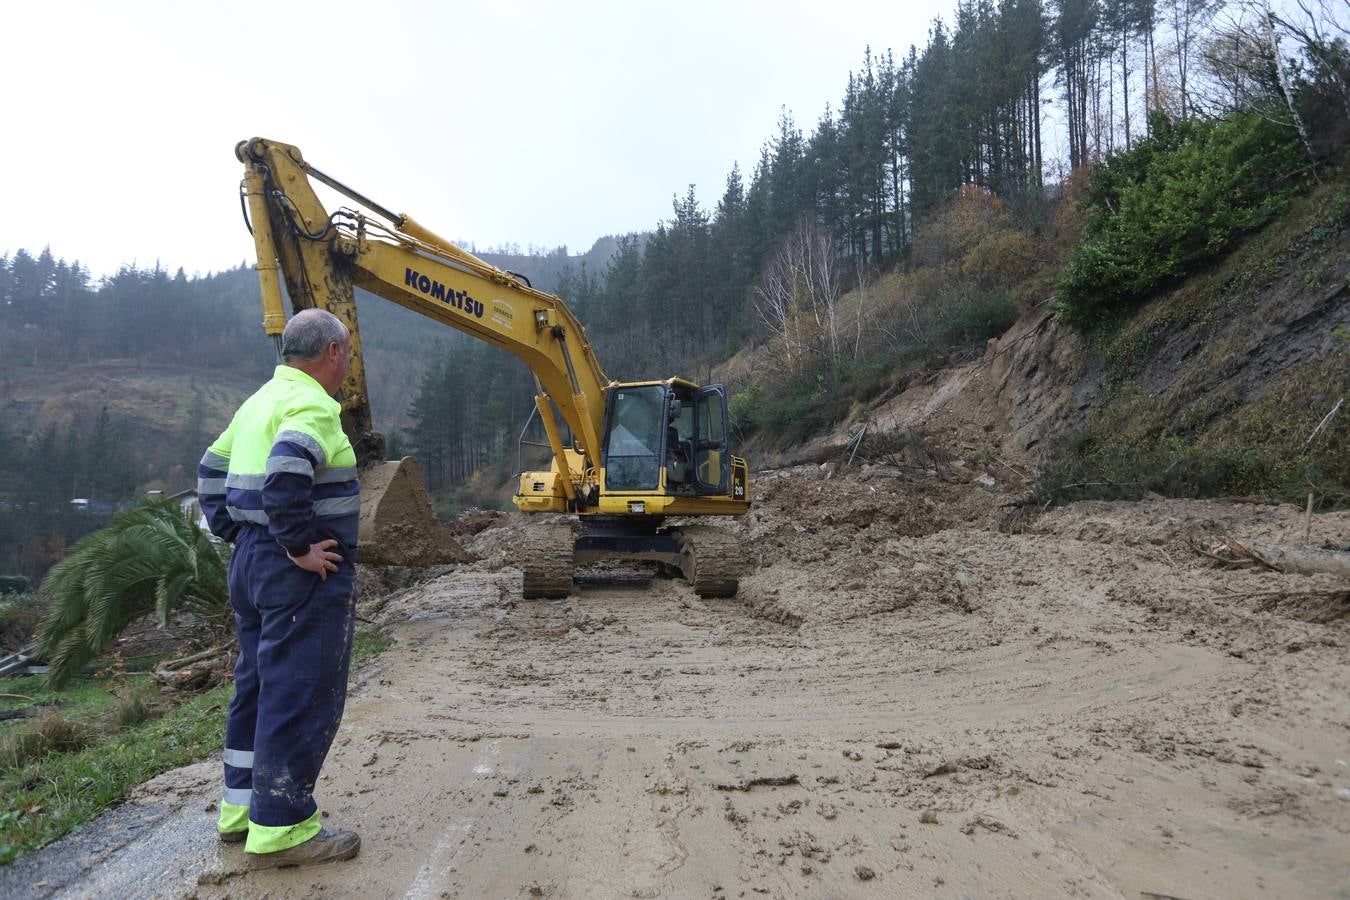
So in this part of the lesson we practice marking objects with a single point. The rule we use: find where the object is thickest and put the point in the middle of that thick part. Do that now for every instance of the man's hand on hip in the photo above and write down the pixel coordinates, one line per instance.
(320, 559)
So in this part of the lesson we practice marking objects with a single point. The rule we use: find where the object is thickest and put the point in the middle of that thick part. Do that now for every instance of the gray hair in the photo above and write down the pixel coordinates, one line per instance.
(308, 334)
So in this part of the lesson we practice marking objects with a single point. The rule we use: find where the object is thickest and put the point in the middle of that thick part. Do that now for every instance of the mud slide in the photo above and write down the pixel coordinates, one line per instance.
(903, 702)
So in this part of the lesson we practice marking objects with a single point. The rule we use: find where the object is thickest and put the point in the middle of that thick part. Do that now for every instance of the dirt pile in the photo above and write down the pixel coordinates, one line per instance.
(398, 527)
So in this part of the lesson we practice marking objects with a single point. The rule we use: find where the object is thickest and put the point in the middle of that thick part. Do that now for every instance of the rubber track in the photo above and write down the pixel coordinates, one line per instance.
(712, 560)
(546, 557)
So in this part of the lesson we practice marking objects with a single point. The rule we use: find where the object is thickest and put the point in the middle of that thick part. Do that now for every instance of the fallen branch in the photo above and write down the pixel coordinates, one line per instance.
(1026, 479)
(857, 443)
(185, 661)
(762, 781)
(1323, 424)
(198, 671)
(1082, 484)
(1221, 554)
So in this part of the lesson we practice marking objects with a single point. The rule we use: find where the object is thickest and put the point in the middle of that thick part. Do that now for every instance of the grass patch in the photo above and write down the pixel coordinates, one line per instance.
(54, 791)
(49, 797)
(49, 733)
(84, 700)
(130, 710)
(1088, 466)
(368, 643)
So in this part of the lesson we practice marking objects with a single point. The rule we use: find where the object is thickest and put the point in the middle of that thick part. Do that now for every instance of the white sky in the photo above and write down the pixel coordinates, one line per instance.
(524, 122)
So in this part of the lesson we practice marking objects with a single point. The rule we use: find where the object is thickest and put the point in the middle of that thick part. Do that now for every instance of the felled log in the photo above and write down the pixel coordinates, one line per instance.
(198, 671)
(1297, 560)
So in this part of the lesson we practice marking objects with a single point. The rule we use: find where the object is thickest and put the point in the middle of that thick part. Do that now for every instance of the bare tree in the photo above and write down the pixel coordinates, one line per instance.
(1188, 20)
(1322, 29)
(797, 298)
(863, 283)
(1250, 64)
(823, 279)
(1273, 42)
(1237, 65)
(773, 301)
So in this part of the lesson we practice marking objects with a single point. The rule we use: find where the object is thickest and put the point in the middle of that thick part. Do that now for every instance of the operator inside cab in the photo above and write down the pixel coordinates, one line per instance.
(679, 443)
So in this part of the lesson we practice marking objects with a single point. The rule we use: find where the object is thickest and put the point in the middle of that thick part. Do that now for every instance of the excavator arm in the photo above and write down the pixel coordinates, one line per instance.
(323, 256)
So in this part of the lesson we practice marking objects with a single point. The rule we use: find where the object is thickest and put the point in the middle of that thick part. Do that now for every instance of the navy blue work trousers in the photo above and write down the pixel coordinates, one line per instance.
(295, 645)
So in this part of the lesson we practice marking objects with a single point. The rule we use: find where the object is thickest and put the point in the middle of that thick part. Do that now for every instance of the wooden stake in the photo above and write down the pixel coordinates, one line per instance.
(1307, 523)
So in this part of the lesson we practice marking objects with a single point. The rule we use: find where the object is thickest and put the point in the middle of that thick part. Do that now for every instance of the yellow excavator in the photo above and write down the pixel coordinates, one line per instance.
(634, 455)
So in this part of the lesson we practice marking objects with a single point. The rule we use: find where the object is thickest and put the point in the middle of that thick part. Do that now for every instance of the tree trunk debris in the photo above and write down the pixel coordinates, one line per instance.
(198, 671)
(1279, 557)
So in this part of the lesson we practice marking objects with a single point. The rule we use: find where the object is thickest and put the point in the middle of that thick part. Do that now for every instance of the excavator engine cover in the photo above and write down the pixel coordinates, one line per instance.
(398, 527)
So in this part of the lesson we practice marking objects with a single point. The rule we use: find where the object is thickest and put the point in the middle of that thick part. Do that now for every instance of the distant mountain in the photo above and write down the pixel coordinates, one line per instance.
(544, 269)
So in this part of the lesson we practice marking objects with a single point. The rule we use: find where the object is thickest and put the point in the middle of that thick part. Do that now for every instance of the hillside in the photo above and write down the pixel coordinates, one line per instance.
(152, 388)
(1222, 378)
(155, 402)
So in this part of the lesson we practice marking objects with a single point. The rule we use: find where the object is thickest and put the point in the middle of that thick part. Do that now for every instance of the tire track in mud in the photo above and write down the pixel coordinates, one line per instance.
(444, 853)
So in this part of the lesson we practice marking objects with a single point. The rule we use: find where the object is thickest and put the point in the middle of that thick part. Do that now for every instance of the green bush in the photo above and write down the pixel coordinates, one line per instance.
(1174, 201)
(1089, 466)
(976, 315)
(15, 584)
(806, 405)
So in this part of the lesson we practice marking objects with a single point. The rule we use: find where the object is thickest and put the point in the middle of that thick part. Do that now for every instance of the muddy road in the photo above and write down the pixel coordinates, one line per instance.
(904, 701)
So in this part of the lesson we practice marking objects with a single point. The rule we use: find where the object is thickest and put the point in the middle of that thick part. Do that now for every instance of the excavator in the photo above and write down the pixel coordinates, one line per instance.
(634, 454)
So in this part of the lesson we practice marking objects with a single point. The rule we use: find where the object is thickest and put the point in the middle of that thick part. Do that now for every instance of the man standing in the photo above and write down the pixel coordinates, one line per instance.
(281, 485)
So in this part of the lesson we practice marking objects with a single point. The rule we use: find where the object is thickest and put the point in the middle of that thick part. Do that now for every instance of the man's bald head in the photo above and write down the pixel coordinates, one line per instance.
(309, 333)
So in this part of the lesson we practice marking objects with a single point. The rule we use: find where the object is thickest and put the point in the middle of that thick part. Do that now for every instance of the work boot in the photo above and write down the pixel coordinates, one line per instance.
(326, 846)
(232, 837)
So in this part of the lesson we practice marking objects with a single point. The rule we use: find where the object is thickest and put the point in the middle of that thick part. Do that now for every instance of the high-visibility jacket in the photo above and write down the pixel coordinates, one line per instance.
(283, 463)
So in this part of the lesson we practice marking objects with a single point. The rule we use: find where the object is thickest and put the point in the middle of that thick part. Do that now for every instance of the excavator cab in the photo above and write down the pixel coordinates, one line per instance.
(665, 454)
(666, 437)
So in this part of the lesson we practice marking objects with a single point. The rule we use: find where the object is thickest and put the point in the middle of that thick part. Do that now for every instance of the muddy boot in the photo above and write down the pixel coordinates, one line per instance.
(233, 837)
(326, 846)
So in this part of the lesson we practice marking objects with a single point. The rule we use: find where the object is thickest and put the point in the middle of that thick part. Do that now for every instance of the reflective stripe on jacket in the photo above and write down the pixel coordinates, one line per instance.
(283, 463)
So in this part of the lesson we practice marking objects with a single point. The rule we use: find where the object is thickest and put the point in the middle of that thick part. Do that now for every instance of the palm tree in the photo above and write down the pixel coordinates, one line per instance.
(151, 558)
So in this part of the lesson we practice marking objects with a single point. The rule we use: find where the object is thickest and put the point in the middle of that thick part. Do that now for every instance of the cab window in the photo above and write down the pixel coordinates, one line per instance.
(633, 445)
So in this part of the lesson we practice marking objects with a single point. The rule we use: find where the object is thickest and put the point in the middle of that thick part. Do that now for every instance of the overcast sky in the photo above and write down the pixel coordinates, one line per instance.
(526, 122)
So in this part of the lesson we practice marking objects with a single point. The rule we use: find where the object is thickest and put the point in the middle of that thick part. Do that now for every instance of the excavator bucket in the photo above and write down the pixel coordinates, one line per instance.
(398, 527)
